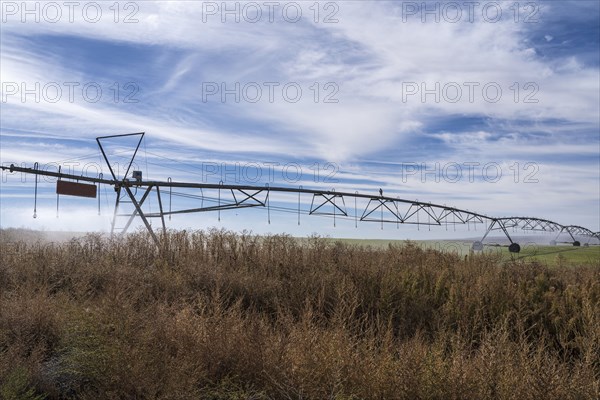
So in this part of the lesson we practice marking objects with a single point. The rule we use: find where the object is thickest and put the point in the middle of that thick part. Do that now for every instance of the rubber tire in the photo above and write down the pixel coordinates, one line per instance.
(576, 243)
(514, 248)
(477, 246)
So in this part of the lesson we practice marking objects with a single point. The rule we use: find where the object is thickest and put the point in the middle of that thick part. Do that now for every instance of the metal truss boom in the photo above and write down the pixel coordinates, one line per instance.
(379, 208)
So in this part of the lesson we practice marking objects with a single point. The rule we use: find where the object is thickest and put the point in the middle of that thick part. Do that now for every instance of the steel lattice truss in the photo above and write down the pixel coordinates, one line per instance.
(379, 208)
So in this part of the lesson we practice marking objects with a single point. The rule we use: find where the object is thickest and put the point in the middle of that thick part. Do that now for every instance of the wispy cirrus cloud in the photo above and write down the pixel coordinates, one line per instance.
(379, 84)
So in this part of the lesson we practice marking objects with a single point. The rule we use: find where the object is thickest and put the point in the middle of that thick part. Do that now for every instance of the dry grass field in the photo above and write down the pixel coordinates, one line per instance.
(214, 315)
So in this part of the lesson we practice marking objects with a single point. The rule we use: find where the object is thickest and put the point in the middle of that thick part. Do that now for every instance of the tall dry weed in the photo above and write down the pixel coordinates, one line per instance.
(218, 315)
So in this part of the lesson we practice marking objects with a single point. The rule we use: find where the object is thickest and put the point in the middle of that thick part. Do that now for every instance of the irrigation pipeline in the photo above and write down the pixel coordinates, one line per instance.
(331, 203)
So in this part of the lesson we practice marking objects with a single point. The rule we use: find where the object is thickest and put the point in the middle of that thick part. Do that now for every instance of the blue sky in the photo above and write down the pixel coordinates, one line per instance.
(164, 70)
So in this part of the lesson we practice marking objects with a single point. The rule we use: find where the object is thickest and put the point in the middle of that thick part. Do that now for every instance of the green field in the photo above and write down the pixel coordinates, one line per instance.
(562, 255)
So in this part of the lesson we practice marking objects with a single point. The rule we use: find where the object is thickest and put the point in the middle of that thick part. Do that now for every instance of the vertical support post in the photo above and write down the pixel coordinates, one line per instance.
(397, 214)
(355, 211)
(381, 207)
(100, 176)
(114, 219)
(58, 195)
(428, 220)
(170, 195)
(300, 187)
(162, 216)
(219, 210)
(334, 208)
(35, 166)
(268, 204)
(446, 218)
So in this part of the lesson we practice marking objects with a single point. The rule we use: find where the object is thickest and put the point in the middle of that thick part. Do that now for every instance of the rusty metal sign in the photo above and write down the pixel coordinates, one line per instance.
(69, 188)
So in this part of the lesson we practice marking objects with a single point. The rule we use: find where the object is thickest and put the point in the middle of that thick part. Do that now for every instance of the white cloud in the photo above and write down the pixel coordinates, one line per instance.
(385, 54)
(370, 54)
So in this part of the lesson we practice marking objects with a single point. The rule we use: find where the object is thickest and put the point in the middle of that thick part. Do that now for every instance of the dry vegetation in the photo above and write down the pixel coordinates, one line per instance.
(221, 316)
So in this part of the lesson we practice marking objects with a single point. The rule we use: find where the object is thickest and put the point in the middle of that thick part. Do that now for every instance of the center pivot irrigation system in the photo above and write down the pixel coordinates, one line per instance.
(378, 208)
